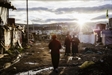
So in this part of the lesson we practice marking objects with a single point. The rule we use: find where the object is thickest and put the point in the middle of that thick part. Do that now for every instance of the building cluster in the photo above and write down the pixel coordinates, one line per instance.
(11, 35)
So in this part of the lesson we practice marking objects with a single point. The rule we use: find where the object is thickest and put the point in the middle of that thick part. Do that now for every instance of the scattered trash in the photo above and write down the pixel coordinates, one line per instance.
(61, 54)
(5, 54)
(99, 52)
(1, 55)
(86, 64)
(70, 58)
(101, 60)
(14, 68)
(16, 60)
(18, 56)
(35, 72)
(62, 50)
(7, 65)
(76, 58)
(94, 58)
(49, 50)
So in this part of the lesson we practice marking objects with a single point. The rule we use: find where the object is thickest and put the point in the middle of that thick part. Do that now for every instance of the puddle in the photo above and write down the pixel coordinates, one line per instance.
(31, 63)
(45, 71)
(34, 72)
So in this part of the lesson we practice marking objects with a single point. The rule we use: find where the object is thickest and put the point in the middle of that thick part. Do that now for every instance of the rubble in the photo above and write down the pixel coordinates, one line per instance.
(97, 59)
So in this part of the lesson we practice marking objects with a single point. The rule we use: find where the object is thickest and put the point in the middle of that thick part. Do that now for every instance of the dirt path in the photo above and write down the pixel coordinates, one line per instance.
(38, 57)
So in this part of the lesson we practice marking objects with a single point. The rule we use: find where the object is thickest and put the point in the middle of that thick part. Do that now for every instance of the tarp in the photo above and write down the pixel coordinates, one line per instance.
(17, 38)
(3, 14)
(106, 37)
(87, 38)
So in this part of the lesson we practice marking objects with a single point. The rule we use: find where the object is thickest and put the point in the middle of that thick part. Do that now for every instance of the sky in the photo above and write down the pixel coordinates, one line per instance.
(60, 11)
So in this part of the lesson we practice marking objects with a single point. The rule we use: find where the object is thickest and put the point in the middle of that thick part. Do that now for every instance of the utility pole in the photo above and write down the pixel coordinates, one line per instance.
(33, 28)
(27, 21)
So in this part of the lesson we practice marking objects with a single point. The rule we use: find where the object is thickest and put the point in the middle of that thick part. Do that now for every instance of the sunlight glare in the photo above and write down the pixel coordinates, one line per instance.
(81, 20)
(81, 23)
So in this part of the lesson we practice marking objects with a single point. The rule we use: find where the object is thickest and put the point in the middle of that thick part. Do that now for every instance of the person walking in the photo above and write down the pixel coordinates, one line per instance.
(75, 43)
(67, 44)
(55, 46)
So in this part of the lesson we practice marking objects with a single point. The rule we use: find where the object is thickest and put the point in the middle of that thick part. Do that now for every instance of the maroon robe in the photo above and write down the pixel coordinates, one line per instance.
(55, 45)
(67, 45)
(75, 43)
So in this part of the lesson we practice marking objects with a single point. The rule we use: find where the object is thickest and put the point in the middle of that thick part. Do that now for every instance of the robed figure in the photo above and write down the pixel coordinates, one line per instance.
(67, 44)
(75, 43)
(55, 46)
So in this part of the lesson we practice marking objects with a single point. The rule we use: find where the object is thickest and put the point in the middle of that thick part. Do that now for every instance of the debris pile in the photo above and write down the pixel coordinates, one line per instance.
(101, 67)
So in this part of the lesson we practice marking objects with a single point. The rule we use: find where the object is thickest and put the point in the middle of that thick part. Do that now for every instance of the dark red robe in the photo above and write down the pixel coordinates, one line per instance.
(55, 45)
(67, 45)
(75, 43)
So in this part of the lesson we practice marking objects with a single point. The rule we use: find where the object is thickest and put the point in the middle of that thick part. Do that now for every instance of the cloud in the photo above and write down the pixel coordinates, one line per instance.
(37, 20)
(59, 0)
(101, 17)
(86, 9)
(12, 15)
(34, 9)
(46, 0)
(54, 20)
(63, 11)
(63, 19)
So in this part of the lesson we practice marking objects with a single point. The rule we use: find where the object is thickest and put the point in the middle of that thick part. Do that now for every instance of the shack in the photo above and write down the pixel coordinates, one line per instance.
(5, 29)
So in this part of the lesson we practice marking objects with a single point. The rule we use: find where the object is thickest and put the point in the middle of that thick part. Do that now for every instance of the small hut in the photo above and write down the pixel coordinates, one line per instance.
(5, 31)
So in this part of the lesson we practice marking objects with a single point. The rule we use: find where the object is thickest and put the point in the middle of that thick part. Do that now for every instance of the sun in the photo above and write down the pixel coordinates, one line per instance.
(81, 20)
(81, 23)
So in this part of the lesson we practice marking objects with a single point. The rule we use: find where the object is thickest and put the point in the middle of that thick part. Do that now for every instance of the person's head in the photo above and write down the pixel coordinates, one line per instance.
(73, 36)
(53, 36)
(68, 35)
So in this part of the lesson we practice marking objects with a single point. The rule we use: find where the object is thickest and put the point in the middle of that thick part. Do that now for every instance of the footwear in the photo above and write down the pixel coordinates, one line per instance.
(73, 54)
(56, 70)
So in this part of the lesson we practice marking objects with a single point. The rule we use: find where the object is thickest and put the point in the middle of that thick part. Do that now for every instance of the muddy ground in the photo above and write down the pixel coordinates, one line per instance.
(36, 60)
